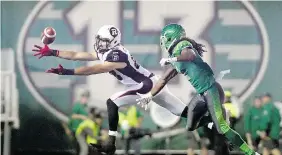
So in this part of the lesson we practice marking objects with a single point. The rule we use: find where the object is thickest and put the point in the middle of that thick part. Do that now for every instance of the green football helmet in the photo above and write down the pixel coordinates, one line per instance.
(170, 34)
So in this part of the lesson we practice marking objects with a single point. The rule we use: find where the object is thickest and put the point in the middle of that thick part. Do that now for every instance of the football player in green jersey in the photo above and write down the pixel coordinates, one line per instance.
(185, 57)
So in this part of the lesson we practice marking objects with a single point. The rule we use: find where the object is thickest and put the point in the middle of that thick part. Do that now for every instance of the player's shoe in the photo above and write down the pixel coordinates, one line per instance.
(107, 147)
(257, 153)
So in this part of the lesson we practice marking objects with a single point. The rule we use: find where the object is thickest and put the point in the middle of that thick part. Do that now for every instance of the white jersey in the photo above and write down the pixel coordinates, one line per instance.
(133, 73)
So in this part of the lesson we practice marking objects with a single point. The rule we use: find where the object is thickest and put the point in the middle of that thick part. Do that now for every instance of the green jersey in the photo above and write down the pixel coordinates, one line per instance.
(197, 71)
(251, 119)
(270, 120)
(77, 109)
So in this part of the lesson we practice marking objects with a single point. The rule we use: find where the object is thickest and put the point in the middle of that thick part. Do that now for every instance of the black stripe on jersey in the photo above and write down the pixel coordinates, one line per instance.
(129, 71)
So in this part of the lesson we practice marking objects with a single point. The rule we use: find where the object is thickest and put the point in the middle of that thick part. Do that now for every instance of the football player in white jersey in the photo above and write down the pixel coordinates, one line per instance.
(117, 60)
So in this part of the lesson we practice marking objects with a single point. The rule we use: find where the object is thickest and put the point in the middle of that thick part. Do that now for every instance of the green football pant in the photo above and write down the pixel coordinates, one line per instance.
(214, 97)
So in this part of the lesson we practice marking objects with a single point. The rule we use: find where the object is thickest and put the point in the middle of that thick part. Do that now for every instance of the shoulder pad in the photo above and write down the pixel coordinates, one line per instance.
(183, 44)
(179, 45)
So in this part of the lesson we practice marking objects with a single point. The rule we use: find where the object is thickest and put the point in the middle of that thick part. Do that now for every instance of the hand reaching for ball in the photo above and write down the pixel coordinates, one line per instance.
(44, 51)
(47, 37)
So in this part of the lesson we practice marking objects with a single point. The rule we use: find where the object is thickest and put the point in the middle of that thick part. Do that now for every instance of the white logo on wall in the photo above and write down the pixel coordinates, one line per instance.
(81, 17)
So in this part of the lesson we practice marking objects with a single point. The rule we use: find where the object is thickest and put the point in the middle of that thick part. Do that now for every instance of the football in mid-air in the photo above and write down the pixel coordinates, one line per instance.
(48, 35)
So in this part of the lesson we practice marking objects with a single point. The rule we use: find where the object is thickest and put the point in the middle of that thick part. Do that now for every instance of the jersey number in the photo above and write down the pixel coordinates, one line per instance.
(116, 75)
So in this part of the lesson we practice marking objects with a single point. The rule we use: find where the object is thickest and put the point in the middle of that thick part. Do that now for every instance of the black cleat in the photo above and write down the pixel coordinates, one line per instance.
(108, 147)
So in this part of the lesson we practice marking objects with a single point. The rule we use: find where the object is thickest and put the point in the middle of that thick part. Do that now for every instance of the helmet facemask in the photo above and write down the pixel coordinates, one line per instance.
(102, 45)
(166, 43)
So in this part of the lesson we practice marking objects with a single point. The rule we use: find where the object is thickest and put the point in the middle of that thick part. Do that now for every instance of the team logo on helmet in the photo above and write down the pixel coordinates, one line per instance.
(113, 31)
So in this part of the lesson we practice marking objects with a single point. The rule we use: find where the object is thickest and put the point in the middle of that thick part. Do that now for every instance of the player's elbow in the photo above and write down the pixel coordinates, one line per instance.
(187, 55)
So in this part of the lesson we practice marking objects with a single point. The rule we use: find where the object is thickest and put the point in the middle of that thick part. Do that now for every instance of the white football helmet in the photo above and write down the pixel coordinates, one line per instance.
(108, 36)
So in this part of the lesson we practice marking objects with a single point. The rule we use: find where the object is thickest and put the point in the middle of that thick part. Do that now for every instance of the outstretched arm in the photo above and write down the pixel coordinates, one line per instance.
(69, 55)
(88, 70)
(167, 76)
(99, 68)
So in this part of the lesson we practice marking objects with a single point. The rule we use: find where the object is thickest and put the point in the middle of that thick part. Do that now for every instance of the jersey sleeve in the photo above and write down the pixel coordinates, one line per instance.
(275, 124)
(117, 56)
(180, 46)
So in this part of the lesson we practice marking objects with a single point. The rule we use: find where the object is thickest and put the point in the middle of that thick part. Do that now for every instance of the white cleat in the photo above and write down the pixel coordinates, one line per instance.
(257, 153)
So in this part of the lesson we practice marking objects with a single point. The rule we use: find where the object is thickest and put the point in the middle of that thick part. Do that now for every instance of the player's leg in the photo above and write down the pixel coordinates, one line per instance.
(113, 103)
(83, 147)
(214, 98)
(195, 111)
(170, 102)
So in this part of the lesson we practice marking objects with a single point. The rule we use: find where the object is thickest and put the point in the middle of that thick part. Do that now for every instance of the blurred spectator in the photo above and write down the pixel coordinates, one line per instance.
(130, 121)
(79, 111)
(279, 106)
(233, 109)
(78, 115)
(269, 126)
(252, 118)
(88, 131)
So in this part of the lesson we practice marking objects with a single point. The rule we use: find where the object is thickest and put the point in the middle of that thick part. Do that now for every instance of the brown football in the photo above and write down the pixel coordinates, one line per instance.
(48, 35)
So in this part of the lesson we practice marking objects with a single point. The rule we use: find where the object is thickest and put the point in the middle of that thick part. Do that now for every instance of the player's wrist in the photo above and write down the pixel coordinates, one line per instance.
(67, 72)
(55, 52)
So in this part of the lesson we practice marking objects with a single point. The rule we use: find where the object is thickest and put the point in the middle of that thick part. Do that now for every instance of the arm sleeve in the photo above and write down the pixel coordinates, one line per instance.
(180, 46)
(117, 56)
(275, 124)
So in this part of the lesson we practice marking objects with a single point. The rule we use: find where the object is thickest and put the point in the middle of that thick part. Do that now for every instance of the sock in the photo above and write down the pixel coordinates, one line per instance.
(112, 117)
(113, 133)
